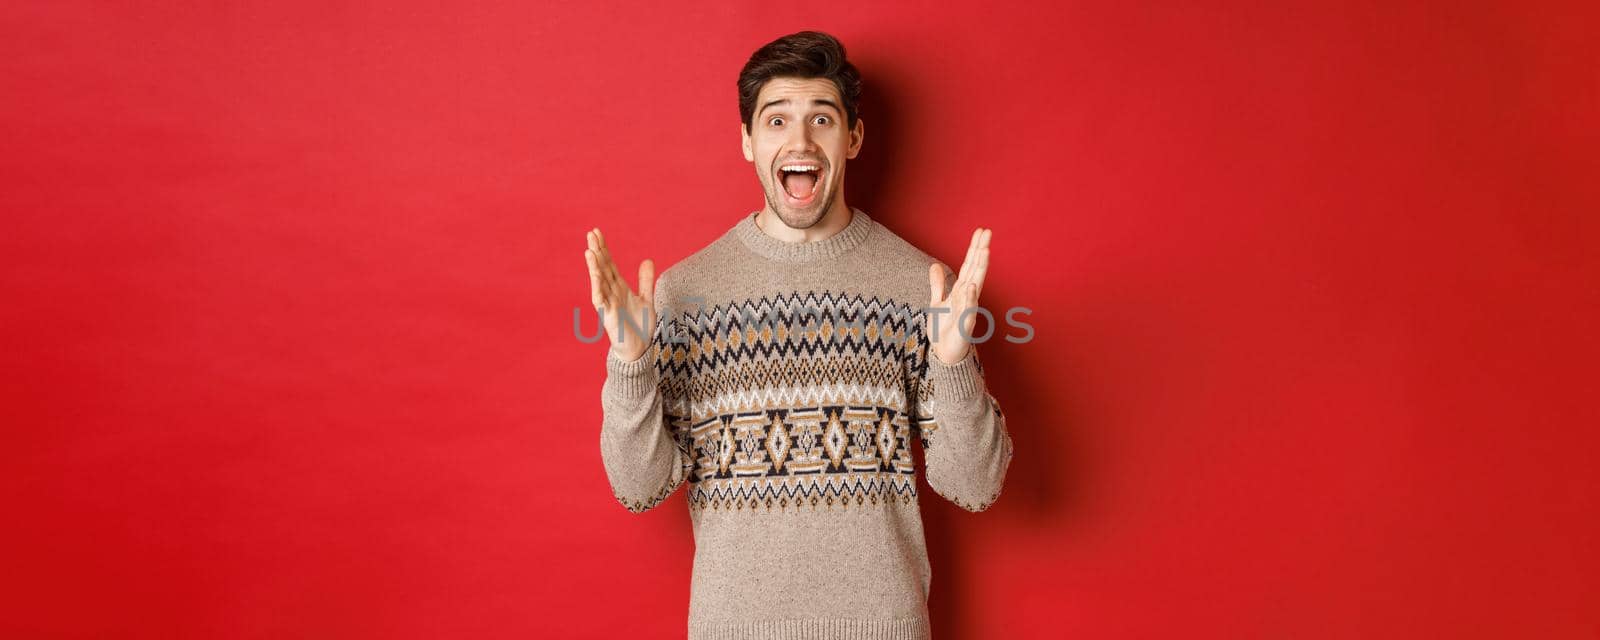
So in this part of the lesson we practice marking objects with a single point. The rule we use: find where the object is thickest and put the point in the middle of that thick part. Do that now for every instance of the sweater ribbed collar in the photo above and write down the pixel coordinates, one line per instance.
(851, 236)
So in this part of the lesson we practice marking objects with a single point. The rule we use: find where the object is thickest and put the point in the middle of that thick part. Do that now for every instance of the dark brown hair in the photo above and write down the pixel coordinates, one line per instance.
(807, 54)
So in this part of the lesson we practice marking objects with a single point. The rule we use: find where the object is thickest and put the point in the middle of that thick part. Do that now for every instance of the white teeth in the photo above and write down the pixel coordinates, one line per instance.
(800, 167)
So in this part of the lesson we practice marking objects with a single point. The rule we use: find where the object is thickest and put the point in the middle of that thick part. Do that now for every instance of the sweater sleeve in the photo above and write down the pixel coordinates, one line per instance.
(643, 441)
(966, 448)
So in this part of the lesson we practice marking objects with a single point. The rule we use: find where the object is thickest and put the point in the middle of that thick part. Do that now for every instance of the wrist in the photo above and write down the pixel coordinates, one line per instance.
(624, 353)
(942, 356)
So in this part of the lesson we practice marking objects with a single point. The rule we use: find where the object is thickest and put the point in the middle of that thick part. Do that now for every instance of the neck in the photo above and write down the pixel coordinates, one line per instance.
(857, 228)
(834, 220)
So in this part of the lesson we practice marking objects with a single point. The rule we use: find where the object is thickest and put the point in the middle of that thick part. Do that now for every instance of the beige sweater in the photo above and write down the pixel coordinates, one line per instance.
(785, 383)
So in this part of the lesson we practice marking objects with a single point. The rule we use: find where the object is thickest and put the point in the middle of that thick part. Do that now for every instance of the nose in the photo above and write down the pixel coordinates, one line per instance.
(799, 140)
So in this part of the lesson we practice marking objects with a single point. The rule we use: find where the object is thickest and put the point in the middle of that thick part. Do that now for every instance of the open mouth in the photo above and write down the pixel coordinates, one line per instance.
(800, 181)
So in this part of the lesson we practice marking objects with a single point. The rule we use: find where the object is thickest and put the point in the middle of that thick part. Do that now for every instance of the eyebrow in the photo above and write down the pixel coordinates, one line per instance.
(815, 101)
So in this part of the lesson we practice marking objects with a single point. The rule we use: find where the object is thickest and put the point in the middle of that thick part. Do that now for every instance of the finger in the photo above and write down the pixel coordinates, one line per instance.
(605, 250)
(603, 279)
(935, 283)
(647, 283)
(981, 269)
(600, 253)
(966, 262)
(608, 266)
(594, 279)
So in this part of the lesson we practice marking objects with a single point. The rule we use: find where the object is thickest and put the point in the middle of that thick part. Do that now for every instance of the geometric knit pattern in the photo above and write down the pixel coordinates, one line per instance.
(796, 401)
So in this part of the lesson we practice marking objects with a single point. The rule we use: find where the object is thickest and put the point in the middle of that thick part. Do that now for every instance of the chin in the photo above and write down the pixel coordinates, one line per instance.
(802, 218)
(799, 218)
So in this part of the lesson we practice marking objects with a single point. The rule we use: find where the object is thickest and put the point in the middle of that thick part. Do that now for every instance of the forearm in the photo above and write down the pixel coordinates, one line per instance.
(642, 460)
(969, 449)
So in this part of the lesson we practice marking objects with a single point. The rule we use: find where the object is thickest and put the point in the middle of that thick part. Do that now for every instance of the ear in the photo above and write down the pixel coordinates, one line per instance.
(744, 141)
(857, 133)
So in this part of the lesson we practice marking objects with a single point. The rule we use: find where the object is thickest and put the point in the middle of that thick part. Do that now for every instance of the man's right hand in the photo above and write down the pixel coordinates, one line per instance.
(612, 297)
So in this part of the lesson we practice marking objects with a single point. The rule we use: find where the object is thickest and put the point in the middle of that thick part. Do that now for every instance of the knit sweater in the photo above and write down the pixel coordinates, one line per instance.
(784, 384)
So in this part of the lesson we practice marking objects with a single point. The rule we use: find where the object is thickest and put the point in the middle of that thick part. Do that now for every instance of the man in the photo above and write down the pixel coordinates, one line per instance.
(788, 393)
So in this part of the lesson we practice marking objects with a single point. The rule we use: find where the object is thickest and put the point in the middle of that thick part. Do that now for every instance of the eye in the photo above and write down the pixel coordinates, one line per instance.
(776, 121)
(821, 120)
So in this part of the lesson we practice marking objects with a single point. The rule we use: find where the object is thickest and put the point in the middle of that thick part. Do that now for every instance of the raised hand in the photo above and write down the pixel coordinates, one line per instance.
(615, 301)
(949, 331)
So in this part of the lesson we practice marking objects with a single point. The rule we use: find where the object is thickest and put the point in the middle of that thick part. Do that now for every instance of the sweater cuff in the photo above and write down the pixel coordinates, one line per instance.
(631, 378)
(956, 382)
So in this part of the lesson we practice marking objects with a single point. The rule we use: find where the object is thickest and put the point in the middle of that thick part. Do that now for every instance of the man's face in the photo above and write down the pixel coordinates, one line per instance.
(798, 142)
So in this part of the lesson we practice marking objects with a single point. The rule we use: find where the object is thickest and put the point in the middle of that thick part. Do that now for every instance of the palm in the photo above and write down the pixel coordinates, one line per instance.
(950, 331)
(612, 296)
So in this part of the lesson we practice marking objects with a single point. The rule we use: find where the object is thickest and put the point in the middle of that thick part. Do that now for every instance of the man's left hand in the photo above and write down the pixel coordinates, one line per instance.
(950, 337)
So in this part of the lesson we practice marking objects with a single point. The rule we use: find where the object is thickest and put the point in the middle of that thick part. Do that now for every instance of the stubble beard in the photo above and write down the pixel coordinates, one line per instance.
(798, 218)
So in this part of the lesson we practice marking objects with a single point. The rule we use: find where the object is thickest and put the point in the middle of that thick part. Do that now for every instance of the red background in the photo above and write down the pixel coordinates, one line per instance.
(288, 294)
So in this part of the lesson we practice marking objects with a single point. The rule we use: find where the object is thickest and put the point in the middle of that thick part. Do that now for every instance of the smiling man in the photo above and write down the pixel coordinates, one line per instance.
(783, 372)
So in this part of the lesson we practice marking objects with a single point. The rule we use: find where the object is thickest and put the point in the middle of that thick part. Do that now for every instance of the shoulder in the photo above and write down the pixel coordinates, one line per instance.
(899, 251)
(902, 265)
(693, 274)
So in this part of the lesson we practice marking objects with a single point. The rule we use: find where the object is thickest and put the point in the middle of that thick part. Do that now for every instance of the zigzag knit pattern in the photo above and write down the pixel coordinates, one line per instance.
(795, 400)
